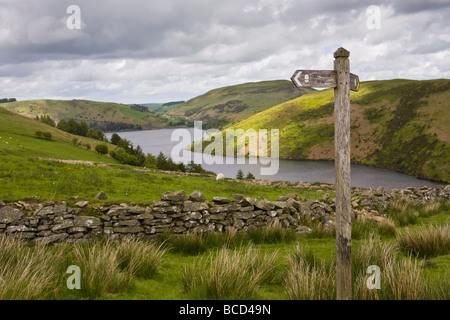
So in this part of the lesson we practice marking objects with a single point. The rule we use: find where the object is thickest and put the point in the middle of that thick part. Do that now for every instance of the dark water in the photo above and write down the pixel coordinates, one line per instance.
(155, 141)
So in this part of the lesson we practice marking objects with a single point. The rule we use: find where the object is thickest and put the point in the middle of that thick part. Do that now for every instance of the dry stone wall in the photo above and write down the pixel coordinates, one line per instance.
(180, 213)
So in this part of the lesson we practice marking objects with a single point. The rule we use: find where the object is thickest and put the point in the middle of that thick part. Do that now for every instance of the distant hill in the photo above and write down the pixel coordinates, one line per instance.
(104, 115)
(397, 124)
(223, 106)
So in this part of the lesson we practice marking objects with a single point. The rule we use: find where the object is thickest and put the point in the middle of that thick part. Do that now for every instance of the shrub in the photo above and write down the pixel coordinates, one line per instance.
(101, 148)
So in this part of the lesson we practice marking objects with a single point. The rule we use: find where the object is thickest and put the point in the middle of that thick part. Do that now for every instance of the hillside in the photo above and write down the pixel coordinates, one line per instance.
(18, 139)
(397, 124)
(227, 105)
(104, 115)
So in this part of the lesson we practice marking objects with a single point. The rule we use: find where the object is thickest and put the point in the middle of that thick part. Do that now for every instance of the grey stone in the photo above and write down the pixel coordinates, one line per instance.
(135, 229)
(174, 196)
(129, 223)
(2, 204)
(87, 221)
(221, 200)
(21, 228)
(243, 200)
(101, 196)
(10, 215)
(193, 206)
(144, 216)
(64, 225)
(82, 204)
(197, 196)
(45, 211)
(265, 205)
(243, 215)
(76, 230)
(52, 239)
(280, 204)
(137, 210)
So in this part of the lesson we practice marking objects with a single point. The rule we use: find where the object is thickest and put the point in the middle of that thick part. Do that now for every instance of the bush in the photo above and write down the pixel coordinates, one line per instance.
(43, 135)
(240, 175)
(101, 148)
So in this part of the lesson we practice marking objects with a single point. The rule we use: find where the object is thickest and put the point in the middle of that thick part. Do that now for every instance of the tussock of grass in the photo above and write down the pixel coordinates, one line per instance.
(400, 280)
(425, 241)
(387, 228)
(371, 251)
(273, 233)
(27, 273)
(141, 259)
(100, 269)
(309, 278)
(229, 274)
(362, 227)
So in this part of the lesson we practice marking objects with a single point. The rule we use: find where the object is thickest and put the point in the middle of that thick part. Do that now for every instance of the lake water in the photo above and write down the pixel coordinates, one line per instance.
(155, 141)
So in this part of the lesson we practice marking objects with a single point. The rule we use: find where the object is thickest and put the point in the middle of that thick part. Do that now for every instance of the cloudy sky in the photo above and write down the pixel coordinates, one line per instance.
(163, 50)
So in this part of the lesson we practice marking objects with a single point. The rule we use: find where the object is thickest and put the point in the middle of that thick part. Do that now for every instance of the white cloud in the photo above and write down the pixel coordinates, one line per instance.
(150, 51)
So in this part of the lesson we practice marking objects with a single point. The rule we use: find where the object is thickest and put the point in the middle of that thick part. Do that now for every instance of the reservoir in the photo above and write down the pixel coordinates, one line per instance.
(156, 141)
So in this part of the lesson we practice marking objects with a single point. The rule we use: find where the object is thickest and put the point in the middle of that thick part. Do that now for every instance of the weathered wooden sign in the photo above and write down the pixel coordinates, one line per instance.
(342, 81)
(321, 79)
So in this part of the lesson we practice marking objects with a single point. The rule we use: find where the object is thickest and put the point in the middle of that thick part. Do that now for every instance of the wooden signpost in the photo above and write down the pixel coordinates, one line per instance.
(342, 81)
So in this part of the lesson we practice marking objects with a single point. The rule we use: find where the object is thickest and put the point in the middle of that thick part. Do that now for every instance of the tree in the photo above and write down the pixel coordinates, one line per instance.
(47, 120)
(101, 148)
(115, 138)
(240, 175)
(62, 125)
(250, 176)
(161, 161)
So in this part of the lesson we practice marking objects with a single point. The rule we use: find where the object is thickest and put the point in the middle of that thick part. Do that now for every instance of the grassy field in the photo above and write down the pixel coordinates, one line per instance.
(274, 264)
(396, 124)
(234, 103)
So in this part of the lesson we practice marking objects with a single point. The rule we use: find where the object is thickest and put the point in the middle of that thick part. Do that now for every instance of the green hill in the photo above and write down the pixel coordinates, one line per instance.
(397, 124)
(227, 105)
(104, 115)
(18, 139)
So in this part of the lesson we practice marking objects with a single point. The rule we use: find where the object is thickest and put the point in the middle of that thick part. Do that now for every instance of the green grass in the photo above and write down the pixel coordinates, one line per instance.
(234, 103)
(89, 111)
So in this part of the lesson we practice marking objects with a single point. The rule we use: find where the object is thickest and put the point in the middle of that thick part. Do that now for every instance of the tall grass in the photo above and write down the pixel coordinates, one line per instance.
(100, 271)
(199, 243)
(309, 278)
(27, 272)
(273, 233)
(400, 280)
(229, 274)
(141, 259)
(403, 212)
(425, 241)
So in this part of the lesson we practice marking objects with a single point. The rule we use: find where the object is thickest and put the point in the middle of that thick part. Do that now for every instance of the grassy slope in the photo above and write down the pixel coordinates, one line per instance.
(17, 138)
(22, 175)
(238, 102)
(84, 110)
(397, 124)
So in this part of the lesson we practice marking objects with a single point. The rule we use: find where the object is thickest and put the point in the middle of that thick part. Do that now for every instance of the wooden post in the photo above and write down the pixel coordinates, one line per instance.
(342, 167)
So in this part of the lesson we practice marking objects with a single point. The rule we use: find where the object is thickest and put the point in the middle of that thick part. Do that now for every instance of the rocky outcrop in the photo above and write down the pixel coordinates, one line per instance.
(180, 213)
